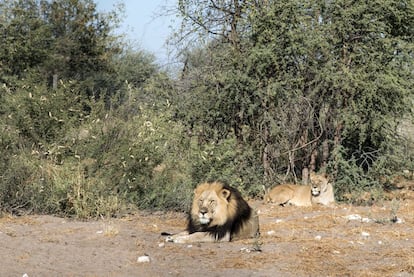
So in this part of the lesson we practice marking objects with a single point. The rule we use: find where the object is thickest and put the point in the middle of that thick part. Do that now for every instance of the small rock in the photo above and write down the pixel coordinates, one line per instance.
(161, 245)
(318, 237)
(399, 220)
(365, 234)
(143, 259)
(353, 217)
(270, 233)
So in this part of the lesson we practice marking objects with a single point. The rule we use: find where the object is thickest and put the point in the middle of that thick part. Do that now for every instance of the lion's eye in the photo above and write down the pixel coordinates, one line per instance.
(212, 202)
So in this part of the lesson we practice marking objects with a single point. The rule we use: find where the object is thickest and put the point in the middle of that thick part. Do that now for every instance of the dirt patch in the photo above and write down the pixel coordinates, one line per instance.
(315, 241)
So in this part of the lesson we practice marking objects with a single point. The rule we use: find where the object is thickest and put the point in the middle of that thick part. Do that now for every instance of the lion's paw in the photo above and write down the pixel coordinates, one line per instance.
(169, 239)
(177, 239)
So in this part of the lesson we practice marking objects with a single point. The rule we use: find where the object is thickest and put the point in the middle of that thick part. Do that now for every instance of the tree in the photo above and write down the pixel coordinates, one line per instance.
(304, 79)
(25, 38)
(100, 135)
(212, 19)
(135, 66)
(62, 39)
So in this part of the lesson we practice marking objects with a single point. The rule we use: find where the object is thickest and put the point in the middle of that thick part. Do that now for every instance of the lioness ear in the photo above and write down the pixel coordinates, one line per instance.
(225, 193)
(311, 175)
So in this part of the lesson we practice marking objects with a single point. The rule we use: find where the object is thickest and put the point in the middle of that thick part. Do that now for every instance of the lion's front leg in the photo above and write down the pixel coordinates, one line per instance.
(185, 237)
(177, 237)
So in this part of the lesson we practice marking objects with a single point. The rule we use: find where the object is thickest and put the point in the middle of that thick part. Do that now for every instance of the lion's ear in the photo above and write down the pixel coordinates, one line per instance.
(312, 175)
(225, 193)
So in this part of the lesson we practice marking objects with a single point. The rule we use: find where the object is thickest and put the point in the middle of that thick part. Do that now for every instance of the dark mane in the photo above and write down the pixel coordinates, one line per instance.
(233, 224)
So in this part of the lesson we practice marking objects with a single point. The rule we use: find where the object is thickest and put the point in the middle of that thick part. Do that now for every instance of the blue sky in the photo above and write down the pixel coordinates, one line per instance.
(143, 25)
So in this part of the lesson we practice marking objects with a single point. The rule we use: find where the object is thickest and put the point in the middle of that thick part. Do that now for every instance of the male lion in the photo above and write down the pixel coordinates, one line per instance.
(320, 191)
(218, 213)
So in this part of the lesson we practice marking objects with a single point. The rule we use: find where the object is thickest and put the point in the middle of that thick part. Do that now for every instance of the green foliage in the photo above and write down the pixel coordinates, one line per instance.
(139, 159)
(64, 39)
(277, 87)
(89, 145)
(228, 162)
(135, 67)
(352, 184)
(304, 79)
(42, 115)
(94, 164)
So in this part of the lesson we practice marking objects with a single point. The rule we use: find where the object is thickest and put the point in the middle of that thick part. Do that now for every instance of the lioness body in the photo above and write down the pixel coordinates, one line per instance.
(320, 191)
(218, 213)
(289, 194)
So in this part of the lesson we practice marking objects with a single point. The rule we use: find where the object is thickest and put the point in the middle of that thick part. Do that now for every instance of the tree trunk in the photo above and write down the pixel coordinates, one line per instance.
(265, 157)
(313, 158)
(305, 174)
(325, 153)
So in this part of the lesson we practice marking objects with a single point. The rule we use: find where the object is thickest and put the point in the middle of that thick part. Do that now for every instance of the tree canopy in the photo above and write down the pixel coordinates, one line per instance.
(67, 40)
(299, 80)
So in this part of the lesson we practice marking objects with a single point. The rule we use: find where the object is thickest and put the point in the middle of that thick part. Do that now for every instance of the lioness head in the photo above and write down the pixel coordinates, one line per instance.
(211, 205)
(319, 183)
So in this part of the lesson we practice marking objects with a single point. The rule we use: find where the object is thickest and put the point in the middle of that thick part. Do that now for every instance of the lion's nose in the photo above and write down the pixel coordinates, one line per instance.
(203, 211)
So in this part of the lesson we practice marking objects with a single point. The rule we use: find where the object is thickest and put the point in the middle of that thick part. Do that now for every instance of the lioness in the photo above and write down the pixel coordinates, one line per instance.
(320, 182)
(218, 213)
(320, 191)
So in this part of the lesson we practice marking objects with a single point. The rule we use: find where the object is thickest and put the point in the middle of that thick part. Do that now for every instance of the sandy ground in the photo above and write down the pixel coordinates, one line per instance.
(315, 241)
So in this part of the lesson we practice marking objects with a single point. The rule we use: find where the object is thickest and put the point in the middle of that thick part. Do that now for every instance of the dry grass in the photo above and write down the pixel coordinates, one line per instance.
(320, 239)
(110, 230)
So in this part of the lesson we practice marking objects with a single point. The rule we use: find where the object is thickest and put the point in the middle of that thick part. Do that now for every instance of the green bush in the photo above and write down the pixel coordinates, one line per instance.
(40, 115)
(65, 155)
(352, 183)
(229, 162)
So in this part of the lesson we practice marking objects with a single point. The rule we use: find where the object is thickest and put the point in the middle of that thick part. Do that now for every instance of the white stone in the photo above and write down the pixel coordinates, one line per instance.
(365, 234)
(143, 259)
(353, 217)
(270, 233)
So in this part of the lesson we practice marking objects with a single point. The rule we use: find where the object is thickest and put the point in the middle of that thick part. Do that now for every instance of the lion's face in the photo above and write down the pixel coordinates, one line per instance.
(210, 205)
(319, 183)
(218, 213)
(315, 189)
